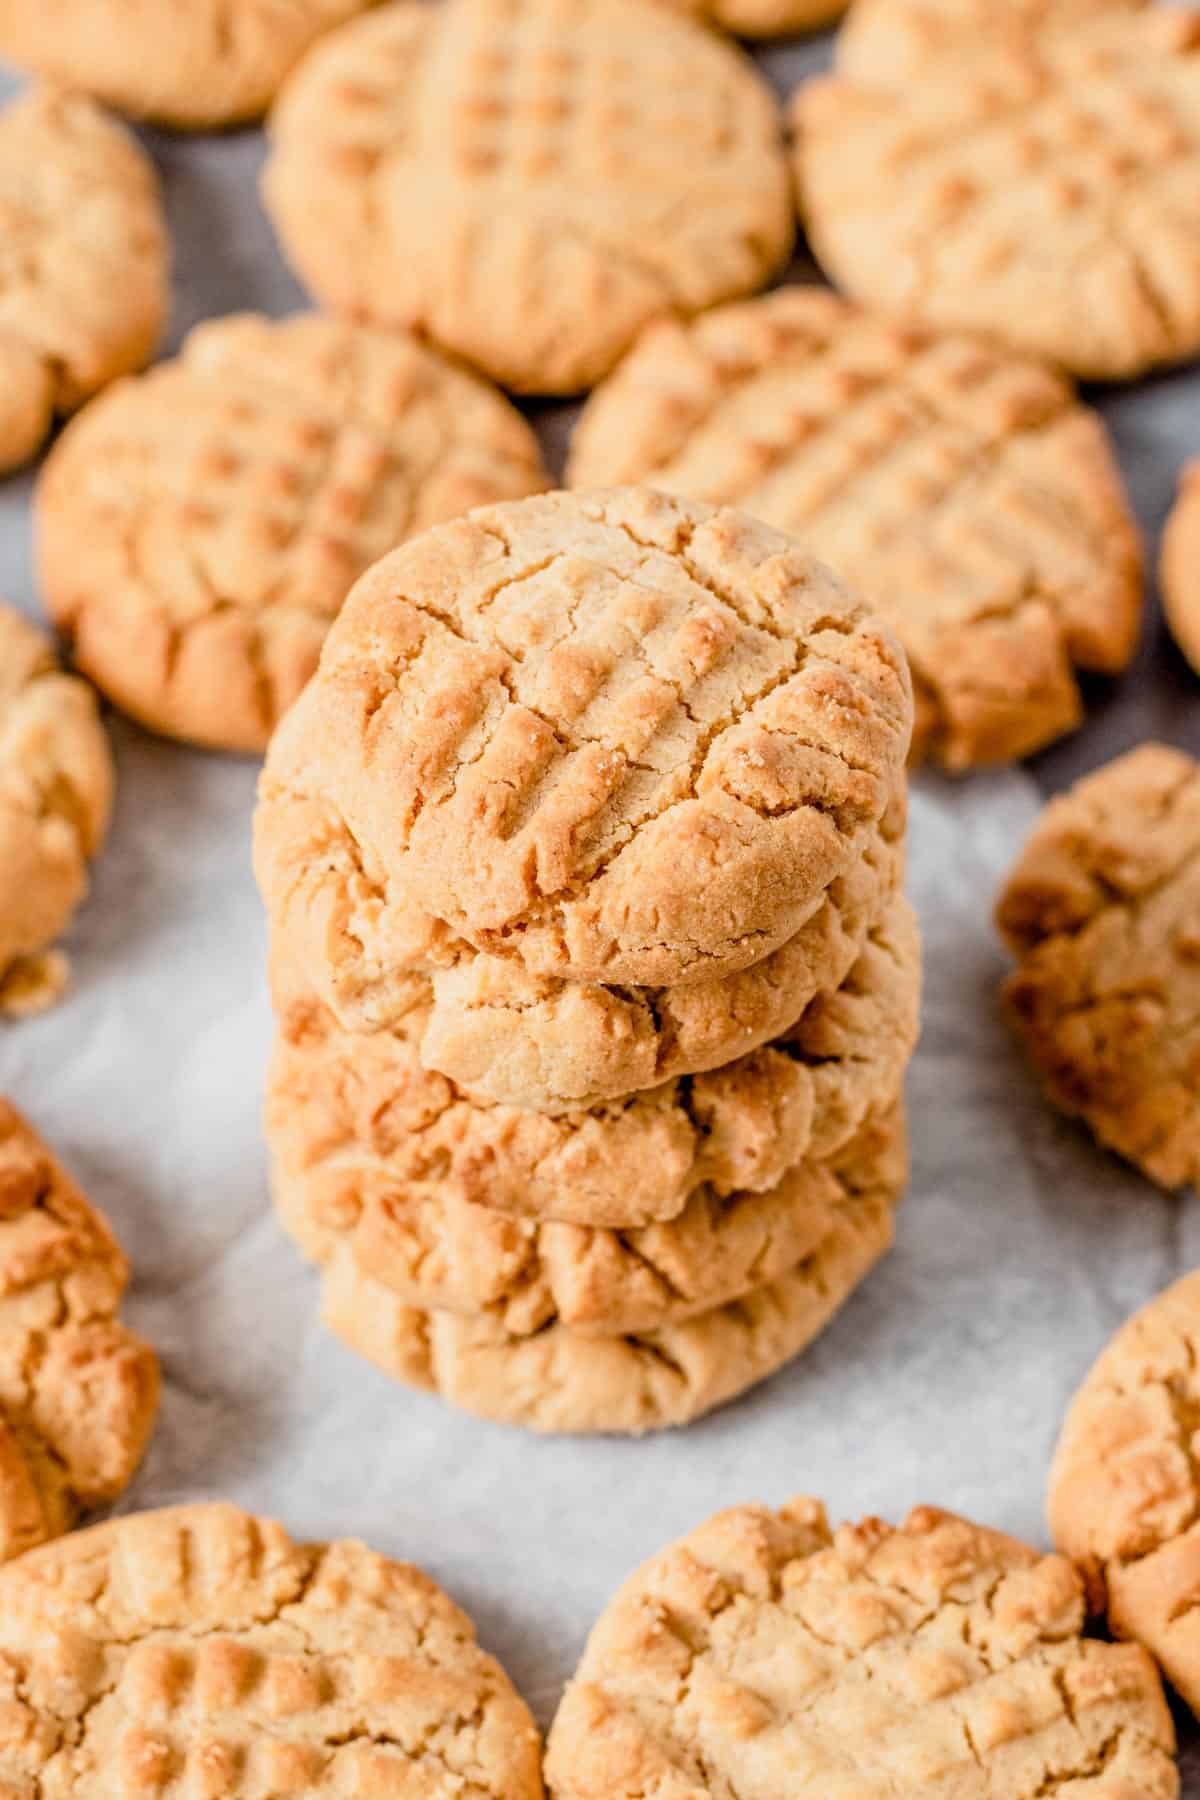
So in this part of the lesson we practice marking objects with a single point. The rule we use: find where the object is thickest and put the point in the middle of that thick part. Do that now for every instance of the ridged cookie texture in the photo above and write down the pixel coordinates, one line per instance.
(559, 1380)
(1181, 566)
(1102, 911)
(341, 1103)
(56, 791)
(287, 456)
(78, 1390)
(1125, 1486)
(963, 490)
(1037, 187)
(84, 286)
(766, 1654)
(200, 1652)
(891, 42)
(527, 182)
(196, 65)
(615, 737)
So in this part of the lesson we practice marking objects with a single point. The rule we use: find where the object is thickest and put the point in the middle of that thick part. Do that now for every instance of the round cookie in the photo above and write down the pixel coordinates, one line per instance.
(195, 65)
(199, 1651)
(766, 1654)
(1103, 912)
(890, 42)
(614, 737)
(964, 490)
(766, 18)
(287, 456)
(1181, 566)
(527, 182)
(1125, 1484)
(367, 1101)
(56, 790)
(1038, 189)
(83, 283)
(78, 1390)
(557, 1380)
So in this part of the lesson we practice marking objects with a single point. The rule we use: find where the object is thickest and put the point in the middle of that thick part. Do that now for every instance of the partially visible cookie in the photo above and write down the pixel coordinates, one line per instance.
(1181, 566)
(766, 18)
(766, 1654)
(891, 42)
(557, 1380)
(78, 1390)
(964, 490)
(1037, 188)
(199, 1651)
(1125, 1486)
(56, 790)
(335, 1097)
(199, 64)
(1103, 912)
(286, 456)
(84, 282)
(526, 182)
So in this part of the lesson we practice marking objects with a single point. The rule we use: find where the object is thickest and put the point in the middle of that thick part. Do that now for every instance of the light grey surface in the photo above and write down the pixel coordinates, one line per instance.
(1021, 1245)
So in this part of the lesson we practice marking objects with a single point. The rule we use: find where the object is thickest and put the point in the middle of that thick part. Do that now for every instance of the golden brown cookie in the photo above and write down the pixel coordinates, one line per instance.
(84, 284)
(1125, 1485)
(286, 456)
(199, 1652)
(558, 1380)
(1038, 188)
(765, 1654)
(892, 42)
(1103, 912)
(964, 490)
(1181, 566)
(188, 63)
(78, 1390)
(528, 181)
(334, 1097)
(56, 789)
(614, 737)
(765, 18)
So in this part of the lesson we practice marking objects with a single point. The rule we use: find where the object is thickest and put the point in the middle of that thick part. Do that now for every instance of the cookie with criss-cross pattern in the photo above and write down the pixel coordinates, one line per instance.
(255, 476)
(766, 1654)
(526, 182)
(891, 42)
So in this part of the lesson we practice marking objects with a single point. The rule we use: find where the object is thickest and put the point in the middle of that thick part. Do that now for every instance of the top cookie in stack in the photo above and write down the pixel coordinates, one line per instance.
(593, 797)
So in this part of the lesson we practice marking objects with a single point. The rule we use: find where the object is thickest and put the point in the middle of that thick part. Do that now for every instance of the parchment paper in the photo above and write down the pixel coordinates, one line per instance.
(1021, 1245)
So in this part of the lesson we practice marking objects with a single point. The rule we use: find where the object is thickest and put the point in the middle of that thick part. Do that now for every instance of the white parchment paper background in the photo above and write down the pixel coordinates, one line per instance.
(1021, 1245)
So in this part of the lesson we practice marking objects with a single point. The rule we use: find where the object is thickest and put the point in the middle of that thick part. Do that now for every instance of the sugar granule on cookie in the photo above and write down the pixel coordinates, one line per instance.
(1181, 566)
(56, 790)
(84, 287)
(287, 455)
(201, 1651)
(1125, 1485)
(1102, 911)
(527, 182)
(766, 1654)
(78, 1390)
(962, 489)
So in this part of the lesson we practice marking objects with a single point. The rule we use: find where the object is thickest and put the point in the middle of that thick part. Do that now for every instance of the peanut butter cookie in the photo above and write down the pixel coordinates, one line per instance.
(285, 456)
(891, 42)
(962, 489)
(1181, 566)
(1103, 911)
(766, 1654)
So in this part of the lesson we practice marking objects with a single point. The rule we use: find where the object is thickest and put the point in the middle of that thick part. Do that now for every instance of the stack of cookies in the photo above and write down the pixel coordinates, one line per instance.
(595, 987)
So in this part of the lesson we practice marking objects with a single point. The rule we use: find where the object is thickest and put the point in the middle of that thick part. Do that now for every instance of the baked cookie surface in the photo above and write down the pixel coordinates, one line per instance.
(1102, 911)
(1125, 1485)
(766, 1653)
(84, 277)
(1036, 189)
(199, 1650)
(528, 181)
(766, 18)
(339, 1102)
(891, 42)
(1181, 566)
(287, 456)
(78, 1390)
(56, 791)
(964, 490)
(614, 737)
(198, 64)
